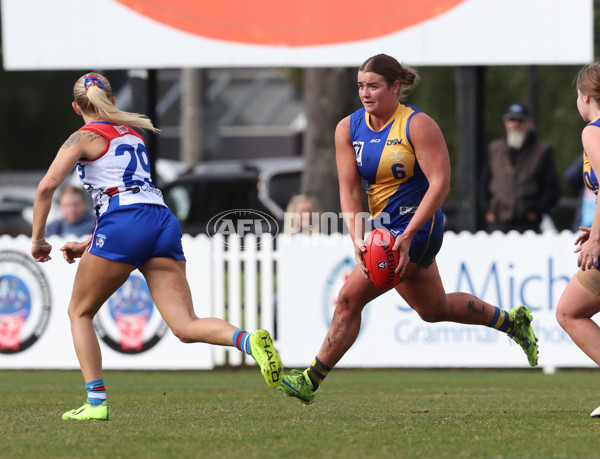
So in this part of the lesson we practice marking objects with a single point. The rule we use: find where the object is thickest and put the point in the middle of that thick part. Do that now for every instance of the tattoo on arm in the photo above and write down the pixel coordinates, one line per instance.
(72, 140)
(92, 135)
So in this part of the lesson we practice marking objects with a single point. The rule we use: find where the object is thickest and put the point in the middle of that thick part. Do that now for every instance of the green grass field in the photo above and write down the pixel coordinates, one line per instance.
(358, 413)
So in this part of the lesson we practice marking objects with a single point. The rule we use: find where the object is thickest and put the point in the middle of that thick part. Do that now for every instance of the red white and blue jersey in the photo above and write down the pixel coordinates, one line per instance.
(386, 160)
(122, 172)
(589, 177)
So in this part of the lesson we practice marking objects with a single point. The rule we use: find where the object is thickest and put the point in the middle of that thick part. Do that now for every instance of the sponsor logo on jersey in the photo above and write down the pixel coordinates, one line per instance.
(25, 302)
(129, 322)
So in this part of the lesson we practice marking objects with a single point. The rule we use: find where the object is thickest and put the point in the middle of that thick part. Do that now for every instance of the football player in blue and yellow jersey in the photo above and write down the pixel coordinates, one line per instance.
(402, 155)
(581, 299)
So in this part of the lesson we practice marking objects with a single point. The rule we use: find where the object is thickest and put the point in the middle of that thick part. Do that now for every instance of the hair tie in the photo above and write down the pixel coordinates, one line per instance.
(92, 80)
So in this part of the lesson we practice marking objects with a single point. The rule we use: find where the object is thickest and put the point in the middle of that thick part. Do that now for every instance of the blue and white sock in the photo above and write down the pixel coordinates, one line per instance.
(241, 340)
(96, 392)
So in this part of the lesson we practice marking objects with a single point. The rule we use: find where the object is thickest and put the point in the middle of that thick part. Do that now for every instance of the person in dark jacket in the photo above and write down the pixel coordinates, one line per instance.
(77, 220)
(521, 182)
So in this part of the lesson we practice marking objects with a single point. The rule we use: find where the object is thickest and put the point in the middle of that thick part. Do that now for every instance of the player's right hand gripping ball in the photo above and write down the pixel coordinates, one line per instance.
(380, 259)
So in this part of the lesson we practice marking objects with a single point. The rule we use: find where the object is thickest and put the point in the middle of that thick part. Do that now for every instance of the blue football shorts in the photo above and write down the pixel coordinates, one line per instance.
(135, 233)
(427, 242)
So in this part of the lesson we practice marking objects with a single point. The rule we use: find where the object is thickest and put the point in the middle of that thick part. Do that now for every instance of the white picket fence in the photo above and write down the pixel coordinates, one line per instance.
(243, 288)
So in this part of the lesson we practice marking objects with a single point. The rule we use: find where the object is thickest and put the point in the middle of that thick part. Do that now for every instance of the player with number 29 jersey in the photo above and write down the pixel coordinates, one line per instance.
(134, 230)
(126, 201)
(121, 175)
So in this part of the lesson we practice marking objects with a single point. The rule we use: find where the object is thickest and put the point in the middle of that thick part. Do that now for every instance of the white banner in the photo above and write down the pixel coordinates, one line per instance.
(34, 327)
(505, 270)
(126, 34)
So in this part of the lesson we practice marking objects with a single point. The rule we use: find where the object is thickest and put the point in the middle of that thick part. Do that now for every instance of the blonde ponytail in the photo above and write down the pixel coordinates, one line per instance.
(92, 93)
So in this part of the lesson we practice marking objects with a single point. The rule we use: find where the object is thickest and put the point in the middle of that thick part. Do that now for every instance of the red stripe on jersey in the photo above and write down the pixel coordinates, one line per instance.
(109, 131)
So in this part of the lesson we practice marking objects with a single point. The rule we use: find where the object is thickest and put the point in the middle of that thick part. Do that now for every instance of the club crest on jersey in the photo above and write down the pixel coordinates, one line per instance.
(121, 129)
(358, 148)
(394, 146)
(397, 158)
(100, 238)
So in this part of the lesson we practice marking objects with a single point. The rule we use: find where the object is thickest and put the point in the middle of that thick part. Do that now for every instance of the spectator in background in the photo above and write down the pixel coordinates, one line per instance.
(77, 219)
(520, 182)
(302, 215)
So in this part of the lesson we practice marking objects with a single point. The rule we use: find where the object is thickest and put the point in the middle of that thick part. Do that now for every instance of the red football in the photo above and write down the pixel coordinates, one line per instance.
(380, 259)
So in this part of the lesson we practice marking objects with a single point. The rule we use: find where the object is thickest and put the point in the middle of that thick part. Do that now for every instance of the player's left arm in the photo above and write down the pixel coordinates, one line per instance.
(432, 154)
(589, 248)
(77, 146)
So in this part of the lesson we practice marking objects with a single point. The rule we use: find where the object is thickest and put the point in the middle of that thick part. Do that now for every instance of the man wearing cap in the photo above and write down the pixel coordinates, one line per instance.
(521, 183)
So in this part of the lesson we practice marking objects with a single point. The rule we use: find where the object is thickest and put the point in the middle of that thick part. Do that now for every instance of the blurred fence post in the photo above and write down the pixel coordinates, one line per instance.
(191, 118)
(469, 115)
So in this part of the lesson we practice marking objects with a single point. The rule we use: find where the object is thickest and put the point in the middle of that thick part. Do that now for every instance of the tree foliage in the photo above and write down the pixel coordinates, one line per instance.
(37, 117)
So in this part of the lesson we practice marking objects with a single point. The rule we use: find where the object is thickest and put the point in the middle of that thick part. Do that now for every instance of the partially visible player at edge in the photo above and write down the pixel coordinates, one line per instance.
(581, 299)
(402, 155)
(134, 229)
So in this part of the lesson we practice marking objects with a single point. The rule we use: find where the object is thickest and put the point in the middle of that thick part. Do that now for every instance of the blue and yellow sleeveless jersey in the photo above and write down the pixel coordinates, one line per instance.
(589, 177)
(395, 182)
(386, 160)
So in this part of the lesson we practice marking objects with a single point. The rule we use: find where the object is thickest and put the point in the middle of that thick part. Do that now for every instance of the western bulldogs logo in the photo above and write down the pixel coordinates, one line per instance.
(25, 302)
(100, 238)
(129, 322)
